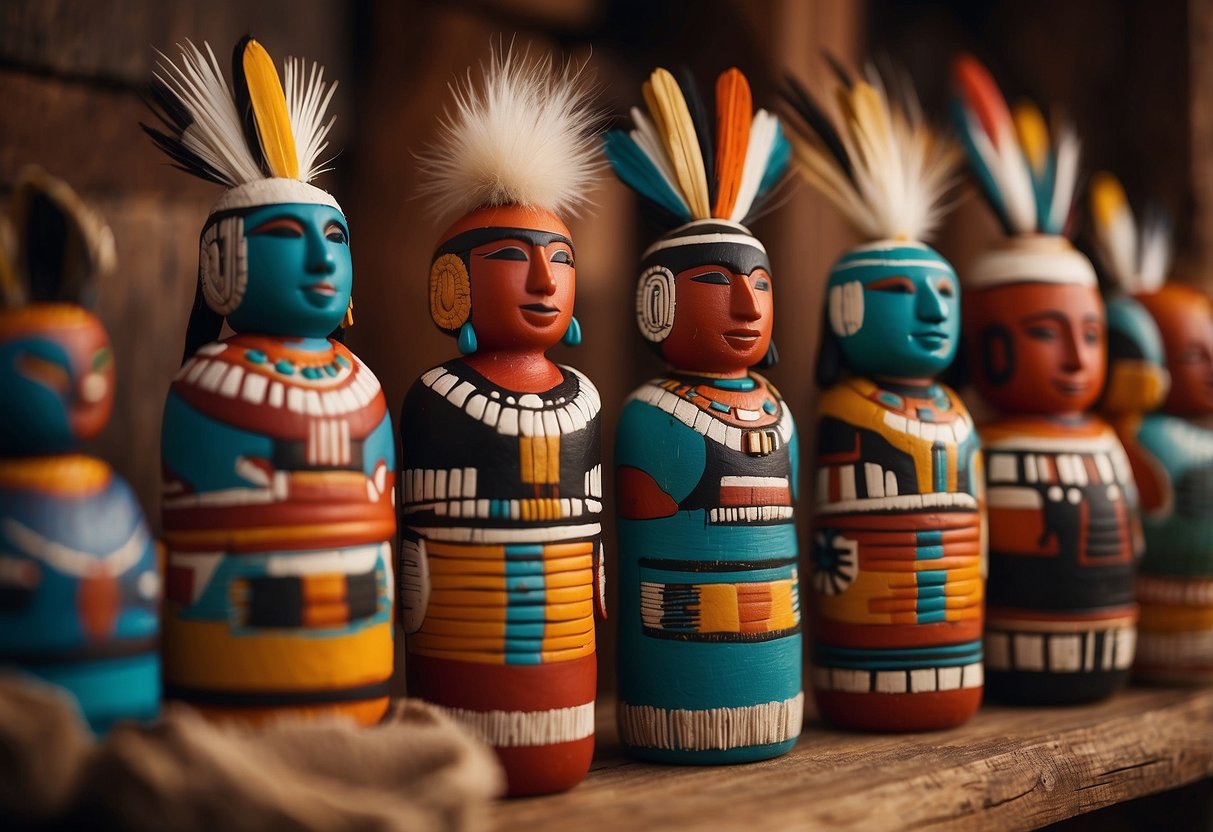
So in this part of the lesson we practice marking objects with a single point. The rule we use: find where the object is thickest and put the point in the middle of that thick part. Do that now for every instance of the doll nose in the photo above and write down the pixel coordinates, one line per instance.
(539, 278)
(743, 300)
(320, 259)
(1072, 356)
(931, 304)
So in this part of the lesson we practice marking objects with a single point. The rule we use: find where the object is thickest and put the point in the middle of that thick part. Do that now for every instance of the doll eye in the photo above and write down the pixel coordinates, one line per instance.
(896, 285)
(334, 233)
(287, 227)
(946, 288)
(507, 253)
(102, 359)
(45, 372)
(563, 257)
(1042, 333)
(714, 278)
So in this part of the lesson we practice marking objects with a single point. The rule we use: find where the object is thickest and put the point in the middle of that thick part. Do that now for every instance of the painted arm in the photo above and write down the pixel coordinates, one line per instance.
(658, 462)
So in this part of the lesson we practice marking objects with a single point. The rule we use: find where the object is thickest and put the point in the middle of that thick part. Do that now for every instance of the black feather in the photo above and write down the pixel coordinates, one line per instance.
(184, 158)
(817, 121)
(244, 105)
(704, 123)
(840, 71)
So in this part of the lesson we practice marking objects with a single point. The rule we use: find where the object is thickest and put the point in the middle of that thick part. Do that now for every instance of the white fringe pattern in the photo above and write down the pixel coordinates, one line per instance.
(645, 726)
(511, 729)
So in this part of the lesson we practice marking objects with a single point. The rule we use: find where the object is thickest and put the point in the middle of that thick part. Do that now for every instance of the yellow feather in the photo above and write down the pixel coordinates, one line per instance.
(1108, 198)
(672, 118)
(269, 110)
(1033, 135)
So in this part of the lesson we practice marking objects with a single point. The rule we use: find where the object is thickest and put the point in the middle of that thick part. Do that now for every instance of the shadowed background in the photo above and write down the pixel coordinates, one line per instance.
(1135, 76)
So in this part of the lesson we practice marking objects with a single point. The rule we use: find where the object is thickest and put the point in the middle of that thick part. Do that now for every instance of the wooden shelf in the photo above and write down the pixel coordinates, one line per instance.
(1009, 768)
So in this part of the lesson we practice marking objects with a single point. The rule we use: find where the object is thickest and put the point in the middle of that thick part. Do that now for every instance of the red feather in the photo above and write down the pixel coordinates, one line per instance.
(982, 97)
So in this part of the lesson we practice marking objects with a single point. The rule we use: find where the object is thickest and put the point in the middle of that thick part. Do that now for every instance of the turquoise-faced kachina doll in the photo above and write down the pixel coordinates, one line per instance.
(898, 528)
(79, 586)
(709, 642)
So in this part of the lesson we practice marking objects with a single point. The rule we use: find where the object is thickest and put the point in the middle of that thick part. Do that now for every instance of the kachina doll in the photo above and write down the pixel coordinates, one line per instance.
(501, 558)
(79, 584)
(706, 456)
(1153, 327)
(278, 452)
(1060, 617)
(898, 526)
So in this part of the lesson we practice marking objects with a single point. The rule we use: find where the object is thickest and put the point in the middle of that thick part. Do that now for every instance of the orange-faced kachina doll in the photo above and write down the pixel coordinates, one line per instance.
(502, 481)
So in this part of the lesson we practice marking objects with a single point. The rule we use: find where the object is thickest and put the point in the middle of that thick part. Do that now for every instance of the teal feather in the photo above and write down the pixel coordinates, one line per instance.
(777, 160)
(638, 172)
(965, 123)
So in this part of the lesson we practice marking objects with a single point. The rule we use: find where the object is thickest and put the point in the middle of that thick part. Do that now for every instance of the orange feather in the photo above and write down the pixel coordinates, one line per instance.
(982, 96)
(269, 109)
(734, 115)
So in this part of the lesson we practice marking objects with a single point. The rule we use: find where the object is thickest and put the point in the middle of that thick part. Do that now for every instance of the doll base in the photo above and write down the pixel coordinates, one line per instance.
(1028, 688)
(363, 712)
(546, 769)
(714, 757)
(898, 712)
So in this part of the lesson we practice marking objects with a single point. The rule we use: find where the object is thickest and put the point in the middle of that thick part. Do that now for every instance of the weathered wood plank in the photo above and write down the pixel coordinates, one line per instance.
(1010, 768)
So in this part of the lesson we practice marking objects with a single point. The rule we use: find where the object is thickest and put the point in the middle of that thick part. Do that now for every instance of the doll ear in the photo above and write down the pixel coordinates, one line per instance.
(997, 354)
(60, 247)
(450, 292)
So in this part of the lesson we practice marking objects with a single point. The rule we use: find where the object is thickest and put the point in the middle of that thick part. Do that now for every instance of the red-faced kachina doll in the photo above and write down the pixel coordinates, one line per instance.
(898, 527)
(1060, 618)
(1160, 388)
(502, 480)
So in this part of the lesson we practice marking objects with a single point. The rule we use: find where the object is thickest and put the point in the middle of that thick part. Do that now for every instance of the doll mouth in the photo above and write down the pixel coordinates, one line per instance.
(540, 314)
(320, 293)
(742, 337)
(1070, 388)
(932, 339)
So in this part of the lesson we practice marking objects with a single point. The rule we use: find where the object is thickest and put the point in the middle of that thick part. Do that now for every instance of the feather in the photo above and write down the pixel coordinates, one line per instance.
(734, 116)
(884, 169)
(526, 135)
(763, 132)
(1033, 136)
(306, 103)
(804, 106)
(646, 138)
(991, 130)
(1115, 228)
(673, 121)
(1155, 251)
(777, 162)
(638, 172)
(203, 134)
(840, 71)
(1065, 180)
(267, 103)
(701, 117)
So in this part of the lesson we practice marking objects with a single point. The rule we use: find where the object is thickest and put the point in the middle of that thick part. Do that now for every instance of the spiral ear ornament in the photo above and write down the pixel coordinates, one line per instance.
(223, 265)
(450, 292)
(655, 303)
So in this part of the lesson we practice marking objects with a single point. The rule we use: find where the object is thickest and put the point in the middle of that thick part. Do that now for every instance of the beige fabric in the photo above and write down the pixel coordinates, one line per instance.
(416, 772)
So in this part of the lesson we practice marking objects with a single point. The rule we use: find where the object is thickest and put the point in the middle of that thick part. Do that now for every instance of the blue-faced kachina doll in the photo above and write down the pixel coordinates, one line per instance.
(706, 456)
(79, 586)
(898, 529)
(278, 454)
(1160, 387)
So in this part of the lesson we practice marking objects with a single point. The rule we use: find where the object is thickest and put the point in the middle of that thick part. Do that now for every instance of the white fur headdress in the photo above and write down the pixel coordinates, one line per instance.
(525, 136)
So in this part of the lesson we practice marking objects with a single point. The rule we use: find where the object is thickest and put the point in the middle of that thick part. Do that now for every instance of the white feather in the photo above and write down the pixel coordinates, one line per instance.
(645, 136)
(763, 130)
(216, 135)
(1156, 253)
(306, 102)
(1065, 178)
(1015, 183)
(525, 137)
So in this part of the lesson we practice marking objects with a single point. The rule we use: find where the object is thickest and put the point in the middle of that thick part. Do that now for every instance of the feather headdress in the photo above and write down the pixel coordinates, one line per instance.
(525, 136)
(261, 140)
(1136, 257)
(1028, 175)
(880, 164)
(677, 162)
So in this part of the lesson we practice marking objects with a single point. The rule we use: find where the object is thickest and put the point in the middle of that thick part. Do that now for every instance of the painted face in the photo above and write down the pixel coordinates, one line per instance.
(522, 274)
(1137, 375)
(56, 378)
(1038, 347)
(895, 310)
(299, 271)
(1185, 317)
(723, 320)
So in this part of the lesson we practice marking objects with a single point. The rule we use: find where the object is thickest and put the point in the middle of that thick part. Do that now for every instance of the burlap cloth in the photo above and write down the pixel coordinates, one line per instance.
(416, 771)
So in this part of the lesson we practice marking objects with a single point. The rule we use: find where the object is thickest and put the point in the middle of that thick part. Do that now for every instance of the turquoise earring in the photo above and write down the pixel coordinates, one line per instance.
(572, 335)
(467, 339)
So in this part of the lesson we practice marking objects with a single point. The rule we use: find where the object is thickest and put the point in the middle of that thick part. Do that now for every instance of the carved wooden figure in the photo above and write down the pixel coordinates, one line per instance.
(278, 452)
(1159, 327)
(706, 456)
(501, 559)
(1060, 614)
(79, 584)
(898, 530)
